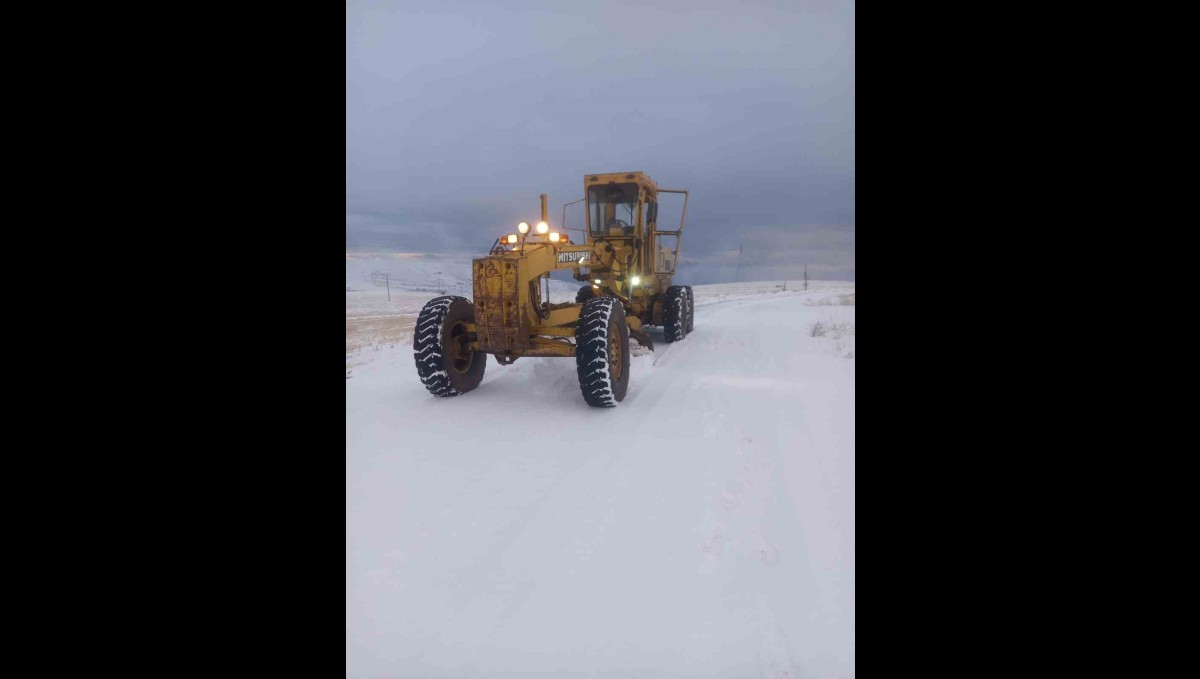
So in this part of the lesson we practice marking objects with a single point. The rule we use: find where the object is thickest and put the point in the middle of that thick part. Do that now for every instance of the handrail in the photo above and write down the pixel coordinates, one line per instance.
(677, 233)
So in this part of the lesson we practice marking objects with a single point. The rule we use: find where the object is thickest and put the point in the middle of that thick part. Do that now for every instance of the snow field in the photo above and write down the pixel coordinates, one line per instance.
(702, 528)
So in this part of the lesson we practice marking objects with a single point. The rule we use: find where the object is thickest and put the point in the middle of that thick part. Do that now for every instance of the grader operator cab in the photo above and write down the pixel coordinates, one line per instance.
(627, 263)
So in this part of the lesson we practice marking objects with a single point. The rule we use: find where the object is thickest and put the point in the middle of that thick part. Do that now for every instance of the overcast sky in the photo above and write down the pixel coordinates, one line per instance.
(459, 113)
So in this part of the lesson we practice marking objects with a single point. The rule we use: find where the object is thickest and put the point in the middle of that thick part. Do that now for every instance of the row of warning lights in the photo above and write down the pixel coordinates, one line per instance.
(542, 227)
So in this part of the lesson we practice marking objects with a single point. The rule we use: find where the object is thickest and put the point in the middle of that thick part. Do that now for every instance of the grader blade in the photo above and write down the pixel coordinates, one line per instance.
(642, 338)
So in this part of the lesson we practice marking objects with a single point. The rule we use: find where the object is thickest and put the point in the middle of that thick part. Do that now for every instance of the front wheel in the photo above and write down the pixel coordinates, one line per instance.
(602, 352)
(440, 346)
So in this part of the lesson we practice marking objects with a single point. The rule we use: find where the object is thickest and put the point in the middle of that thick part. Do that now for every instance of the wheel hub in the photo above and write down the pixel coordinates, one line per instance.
(459, 357)
(614, 352)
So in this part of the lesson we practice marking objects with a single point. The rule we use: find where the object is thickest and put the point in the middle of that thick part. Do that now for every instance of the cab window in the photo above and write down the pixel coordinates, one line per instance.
(612, 210)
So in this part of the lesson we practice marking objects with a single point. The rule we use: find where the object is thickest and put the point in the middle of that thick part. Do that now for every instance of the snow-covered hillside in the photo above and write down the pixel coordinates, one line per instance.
(381, 311)
(414, 272)
(702, 528)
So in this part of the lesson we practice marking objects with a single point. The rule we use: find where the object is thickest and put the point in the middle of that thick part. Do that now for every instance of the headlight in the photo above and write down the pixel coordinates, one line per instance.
(553, 236)
(543, 227)
(512, 238)
(635, 280)
(523, 227)
(598, 281)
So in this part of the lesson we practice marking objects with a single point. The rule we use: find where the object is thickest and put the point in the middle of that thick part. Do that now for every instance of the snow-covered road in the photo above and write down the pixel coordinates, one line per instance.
(702, 528)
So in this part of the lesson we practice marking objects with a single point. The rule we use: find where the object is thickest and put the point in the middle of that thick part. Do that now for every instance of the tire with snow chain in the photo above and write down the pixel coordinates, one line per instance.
(602, 352)
(585, 293)
(691, 310)
(444, 365)
(675, 313)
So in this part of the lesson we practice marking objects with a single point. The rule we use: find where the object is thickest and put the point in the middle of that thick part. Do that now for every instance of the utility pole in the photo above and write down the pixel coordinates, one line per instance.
(738, 277)
(806, 276)
(388, 282)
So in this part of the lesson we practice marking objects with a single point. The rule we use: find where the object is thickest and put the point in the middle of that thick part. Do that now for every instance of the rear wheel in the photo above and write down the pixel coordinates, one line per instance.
(676, 311)
(444, 363)
(602, 352)
(691, 310)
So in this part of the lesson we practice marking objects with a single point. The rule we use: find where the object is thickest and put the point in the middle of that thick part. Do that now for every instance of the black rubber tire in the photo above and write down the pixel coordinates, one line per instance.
(675, 314)
(585, 293)
(691, 310)
(435, 327)
(599, 318)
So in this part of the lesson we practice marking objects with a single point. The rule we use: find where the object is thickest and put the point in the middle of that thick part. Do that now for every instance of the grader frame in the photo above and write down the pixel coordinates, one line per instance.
(622, 257)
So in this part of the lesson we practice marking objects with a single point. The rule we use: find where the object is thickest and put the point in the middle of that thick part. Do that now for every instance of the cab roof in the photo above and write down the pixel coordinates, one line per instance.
(618, 178)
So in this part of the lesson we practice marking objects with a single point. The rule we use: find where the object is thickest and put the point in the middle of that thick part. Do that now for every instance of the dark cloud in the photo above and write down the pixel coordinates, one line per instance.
(460, 113)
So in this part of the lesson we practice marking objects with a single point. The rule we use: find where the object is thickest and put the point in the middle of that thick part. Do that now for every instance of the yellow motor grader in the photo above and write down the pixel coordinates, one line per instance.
(627, 264)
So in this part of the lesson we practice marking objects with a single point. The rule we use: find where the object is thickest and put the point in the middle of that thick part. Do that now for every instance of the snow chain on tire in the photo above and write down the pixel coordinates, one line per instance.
(599, 318)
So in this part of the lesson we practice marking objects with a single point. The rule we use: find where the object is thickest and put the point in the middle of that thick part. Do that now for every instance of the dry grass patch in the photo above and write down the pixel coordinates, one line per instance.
(376, 333)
